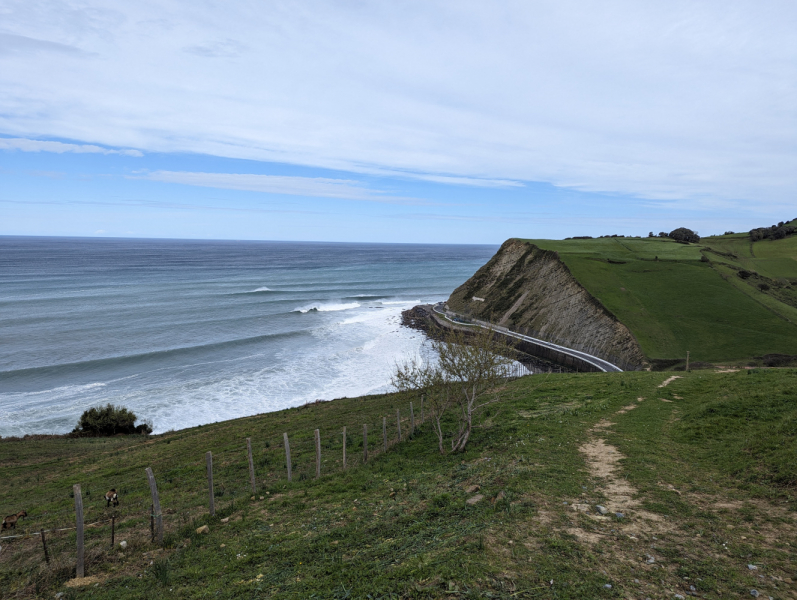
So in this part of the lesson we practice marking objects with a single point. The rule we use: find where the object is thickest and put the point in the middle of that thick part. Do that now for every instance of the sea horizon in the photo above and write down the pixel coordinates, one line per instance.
(187, 332)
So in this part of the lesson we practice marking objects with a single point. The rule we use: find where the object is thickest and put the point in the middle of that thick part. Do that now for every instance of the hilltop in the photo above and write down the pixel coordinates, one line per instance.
(647, 301)
(696, 475)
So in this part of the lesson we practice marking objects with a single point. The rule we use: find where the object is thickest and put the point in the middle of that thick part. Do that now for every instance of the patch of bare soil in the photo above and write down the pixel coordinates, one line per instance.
(90, 580)
(669, 380)
(603, 461)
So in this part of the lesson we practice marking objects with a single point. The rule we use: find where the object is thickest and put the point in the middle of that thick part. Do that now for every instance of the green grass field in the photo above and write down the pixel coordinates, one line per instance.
(709, 460)
(673, 302)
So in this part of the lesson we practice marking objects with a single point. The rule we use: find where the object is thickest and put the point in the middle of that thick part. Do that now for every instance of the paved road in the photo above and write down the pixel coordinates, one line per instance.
(599, 363)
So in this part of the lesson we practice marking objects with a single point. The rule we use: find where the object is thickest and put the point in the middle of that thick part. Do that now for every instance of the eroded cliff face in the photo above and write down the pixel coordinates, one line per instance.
(531, 291)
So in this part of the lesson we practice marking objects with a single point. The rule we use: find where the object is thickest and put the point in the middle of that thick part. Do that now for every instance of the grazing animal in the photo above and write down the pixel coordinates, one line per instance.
(10, 522)
(111, 497)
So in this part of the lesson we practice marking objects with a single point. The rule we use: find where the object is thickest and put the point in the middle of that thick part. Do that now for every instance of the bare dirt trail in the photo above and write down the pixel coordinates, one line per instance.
(603, 461)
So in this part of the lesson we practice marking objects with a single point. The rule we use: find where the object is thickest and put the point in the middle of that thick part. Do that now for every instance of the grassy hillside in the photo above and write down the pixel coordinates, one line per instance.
(672, 301)
(701, 469)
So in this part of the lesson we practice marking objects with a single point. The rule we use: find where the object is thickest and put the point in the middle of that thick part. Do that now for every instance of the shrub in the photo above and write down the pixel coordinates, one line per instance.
(704, 258)
(776, 232)
(109, 420)
(682, 234)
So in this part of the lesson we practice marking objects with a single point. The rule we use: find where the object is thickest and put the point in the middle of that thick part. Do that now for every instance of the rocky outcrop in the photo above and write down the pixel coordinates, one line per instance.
(531, 291)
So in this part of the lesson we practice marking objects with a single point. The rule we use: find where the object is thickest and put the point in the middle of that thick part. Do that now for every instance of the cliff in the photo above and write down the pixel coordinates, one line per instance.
(531, 291)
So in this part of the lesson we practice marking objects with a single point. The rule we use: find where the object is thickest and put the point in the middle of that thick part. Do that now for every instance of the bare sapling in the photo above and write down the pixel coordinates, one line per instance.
(468, 375)
(476, 367)
(415, 374)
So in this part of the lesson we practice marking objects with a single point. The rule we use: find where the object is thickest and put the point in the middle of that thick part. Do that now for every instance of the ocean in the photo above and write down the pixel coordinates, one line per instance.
(191, 332)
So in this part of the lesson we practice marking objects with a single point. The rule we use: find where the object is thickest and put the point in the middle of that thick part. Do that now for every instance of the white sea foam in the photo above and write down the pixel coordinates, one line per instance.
(400, 302)
(262, 289)
(327, 307)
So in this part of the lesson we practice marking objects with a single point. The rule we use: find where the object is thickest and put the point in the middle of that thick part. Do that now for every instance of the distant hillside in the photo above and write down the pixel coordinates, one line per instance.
(725, 298)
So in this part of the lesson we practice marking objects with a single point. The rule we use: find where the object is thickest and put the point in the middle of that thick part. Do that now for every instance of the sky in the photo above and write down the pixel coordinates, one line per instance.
(401, 121)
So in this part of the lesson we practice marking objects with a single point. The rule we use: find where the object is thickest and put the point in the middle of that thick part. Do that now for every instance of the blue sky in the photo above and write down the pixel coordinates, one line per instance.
(406, 121)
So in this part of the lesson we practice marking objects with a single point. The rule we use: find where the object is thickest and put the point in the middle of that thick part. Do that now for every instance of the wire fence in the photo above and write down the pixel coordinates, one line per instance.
(184, 489)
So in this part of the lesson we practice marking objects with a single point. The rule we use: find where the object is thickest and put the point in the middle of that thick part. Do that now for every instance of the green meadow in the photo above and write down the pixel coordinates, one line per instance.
(702, 471)
(673, 301)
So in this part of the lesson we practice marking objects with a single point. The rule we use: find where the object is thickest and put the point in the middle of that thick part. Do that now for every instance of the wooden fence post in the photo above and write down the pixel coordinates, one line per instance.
(44, 545)
(423, 396)
(80, 571)
(398, 422)
(412, 420)
(211, 494)
(156, 505)
(251, 465)
(287, 454)
(344, 447)
(317, 453)
(113, 530)
(365, 443)
(152, 523)
(384, 432)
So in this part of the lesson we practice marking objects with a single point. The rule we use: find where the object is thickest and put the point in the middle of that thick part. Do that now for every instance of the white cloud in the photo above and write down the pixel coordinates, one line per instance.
(281, 184)
(690, 101)
(26, 145)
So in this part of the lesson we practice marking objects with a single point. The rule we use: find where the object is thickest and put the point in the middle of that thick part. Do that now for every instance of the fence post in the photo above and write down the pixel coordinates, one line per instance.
(412, 420)
(251, 465)
(344, 448)
(211, 495)
(80, 571)
(156, 504)
(384, 432)
(152, 523)
(365, 443)
(317, 454)
(44, 545)
(113, 530)
(287, 454)
(398, 422)
(423, 396)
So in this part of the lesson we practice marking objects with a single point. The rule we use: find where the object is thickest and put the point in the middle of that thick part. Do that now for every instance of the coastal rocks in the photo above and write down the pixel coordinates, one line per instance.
(529, 289)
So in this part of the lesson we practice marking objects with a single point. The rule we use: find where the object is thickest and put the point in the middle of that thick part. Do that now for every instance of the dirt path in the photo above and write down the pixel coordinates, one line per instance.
(669, 380)
(603, 461)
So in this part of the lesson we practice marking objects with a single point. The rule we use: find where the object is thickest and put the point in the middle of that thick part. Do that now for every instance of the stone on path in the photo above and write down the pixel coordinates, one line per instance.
(602, 509)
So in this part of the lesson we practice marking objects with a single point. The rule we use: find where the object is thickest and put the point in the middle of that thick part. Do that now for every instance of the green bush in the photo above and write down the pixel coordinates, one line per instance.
(109, 420)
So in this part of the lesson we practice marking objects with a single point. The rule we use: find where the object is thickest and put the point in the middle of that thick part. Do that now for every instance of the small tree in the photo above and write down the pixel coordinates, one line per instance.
(682, 234)
(466, 377)
(109, 420)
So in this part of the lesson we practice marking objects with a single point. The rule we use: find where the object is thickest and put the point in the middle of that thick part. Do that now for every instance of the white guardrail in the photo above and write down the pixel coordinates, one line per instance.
(596, 362)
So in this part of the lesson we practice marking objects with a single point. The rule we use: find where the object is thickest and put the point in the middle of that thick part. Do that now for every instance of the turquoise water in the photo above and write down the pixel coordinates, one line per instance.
(191, 332)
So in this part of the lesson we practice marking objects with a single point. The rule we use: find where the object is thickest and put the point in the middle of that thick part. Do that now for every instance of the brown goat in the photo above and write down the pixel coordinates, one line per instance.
(111, 497)
(10, 522)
